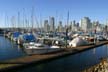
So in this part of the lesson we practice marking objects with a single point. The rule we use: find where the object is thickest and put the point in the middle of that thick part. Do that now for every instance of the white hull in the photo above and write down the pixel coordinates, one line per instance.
(38, 48)
(41, 50)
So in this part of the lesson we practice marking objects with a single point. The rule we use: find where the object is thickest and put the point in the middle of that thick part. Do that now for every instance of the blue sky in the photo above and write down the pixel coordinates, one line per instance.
(95, 9)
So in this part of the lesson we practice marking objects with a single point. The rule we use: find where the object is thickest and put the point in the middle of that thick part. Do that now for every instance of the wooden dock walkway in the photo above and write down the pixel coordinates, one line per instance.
(36, 59)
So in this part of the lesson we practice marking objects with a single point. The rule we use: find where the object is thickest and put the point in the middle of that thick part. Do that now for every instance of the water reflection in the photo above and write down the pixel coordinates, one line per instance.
(94, 51)
(9, 50)
(107, 50)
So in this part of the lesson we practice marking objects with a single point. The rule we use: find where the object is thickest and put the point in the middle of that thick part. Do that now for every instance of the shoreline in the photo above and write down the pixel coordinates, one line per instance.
(100, 67)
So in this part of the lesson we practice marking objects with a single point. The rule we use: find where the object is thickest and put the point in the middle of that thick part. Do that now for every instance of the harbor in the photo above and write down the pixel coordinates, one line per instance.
(53, 36)
(25, 48)
(25, 60)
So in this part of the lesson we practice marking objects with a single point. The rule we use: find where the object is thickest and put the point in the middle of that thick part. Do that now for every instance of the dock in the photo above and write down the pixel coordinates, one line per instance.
(37, 59)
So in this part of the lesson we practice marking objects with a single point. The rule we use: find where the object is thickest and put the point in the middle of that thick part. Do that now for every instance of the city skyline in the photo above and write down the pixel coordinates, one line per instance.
(94, 9)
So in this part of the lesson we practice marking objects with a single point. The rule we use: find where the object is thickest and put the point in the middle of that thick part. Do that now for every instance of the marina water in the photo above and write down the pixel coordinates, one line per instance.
(9, 50)
(72, 63)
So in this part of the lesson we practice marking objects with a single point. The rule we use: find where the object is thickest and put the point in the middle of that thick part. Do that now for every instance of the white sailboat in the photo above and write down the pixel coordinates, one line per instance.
(40, 48)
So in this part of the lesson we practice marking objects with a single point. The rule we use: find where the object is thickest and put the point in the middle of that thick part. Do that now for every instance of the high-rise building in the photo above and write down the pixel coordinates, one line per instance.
(46, 26)
(80, 23)
(97, 26)
(60, 27)
(52, 24)
(73, 25)
(86, 24)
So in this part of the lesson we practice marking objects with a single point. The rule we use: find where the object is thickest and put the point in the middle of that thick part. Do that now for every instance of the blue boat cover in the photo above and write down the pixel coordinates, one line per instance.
(16, 34)
(29, 38)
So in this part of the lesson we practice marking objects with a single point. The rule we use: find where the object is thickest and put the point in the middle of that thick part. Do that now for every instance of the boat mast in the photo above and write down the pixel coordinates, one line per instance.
(67, 28)
(23, 19)
(40, 24)
(18, 23)
(32, 19)
(12, 22)
(106, 27)
(26, 22)
(27, 25)
(56, 22)
(5, 20)
(36, 23)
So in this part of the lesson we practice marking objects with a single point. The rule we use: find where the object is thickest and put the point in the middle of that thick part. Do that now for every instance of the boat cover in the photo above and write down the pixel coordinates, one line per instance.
(16, 34)
(78, 42)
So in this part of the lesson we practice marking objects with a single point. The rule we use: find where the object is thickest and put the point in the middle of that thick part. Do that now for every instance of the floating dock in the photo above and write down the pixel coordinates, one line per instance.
(36, 59)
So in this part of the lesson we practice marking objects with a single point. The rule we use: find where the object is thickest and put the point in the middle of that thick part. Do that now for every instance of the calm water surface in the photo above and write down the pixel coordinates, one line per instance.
(9, 50)
(72, 63)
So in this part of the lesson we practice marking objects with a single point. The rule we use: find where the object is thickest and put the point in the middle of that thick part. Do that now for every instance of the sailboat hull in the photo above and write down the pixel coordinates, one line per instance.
(41, 50)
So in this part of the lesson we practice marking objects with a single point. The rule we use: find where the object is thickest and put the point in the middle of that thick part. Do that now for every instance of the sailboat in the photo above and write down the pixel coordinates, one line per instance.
(39, 47)
(16, 33)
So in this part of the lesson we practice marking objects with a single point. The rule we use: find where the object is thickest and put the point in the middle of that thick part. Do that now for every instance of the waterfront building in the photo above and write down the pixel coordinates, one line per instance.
(105, 28)
(46, 26)
(86, 24)
(80, 23)
(107, 25)
(60, 27)
(73, 25)
(77, 26)
(52, 24)
(96, 26)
